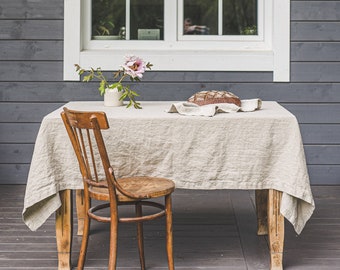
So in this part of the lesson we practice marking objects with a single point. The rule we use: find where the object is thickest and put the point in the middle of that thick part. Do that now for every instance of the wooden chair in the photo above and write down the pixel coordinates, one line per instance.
(84, 130)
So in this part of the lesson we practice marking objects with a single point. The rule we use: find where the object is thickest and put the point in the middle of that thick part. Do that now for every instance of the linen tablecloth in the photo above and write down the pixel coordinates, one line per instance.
(244, 150)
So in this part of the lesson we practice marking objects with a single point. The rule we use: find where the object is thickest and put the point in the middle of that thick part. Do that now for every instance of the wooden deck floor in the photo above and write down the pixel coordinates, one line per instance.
(212, 230)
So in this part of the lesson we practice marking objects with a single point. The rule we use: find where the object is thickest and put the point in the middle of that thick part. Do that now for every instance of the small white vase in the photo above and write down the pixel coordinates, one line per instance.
(111, 98)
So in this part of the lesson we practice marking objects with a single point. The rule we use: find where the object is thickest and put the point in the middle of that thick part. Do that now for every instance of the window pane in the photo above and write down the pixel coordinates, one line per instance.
(203, 17)
(147, 19)
(108, 19)
(239, 17)
(200, 17)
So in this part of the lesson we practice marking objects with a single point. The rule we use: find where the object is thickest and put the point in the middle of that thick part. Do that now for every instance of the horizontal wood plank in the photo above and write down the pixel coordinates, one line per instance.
(324, 174)
(48, 91)
(37, 9)
(315, 113)
(32, 29)
(31, 71)
(34, 112)
(13, 173)
(322, 154)
(315, 11)
(31, 50)
(315, 51)
(320, 133)
(18, 133)
(315, 71)
(26, 112)
(16, 153)
(56, 92)
(315, 31)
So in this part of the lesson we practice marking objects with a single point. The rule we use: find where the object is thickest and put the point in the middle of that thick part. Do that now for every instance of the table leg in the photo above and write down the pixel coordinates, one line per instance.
(80, 210)
(261, 198)
(64, 225)
(276, 229)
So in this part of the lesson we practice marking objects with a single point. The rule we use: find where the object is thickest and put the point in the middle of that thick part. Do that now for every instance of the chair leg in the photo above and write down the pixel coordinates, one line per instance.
(84, 242)
(169, 238)
(140, 236)
(113, 242)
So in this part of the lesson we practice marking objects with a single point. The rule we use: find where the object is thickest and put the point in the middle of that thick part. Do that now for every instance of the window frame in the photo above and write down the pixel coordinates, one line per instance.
(268, 51)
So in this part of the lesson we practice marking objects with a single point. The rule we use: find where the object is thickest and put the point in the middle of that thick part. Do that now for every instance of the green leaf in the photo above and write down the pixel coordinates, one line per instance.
(134, 93)
(120, 87)
(87, 78)
(137, 105)
(124, 95)
(102, 88)
(114, 85)
(149, 65)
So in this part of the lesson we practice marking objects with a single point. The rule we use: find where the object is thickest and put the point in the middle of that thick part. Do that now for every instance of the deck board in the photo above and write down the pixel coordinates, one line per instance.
(213, 230)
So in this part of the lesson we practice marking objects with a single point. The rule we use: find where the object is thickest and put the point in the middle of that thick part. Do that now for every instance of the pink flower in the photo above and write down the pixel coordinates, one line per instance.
(134, 66)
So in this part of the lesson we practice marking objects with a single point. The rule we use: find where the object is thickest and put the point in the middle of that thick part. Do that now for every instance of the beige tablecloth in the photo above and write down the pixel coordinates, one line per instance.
(243, 150)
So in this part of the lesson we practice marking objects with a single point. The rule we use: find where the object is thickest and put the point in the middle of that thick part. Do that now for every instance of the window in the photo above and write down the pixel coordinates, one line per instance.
(144, 20)
(192, 35)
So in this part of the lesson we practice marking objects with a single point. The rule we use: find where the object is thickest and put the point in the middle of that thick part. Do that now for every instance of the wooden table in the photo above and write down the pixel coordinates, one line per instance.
(259, 150)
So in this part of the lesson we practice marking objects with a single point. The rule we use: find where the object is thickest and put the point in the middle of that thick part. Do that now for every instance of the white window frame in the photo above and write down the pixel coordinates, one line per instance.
(267, 51)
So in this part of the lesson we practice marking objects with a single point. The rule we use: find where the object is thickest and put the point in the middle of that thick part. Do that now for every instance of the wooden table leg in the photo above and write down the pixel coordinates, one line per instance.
(64, 225)
(276, 229)
(80, 210)
(261, 198)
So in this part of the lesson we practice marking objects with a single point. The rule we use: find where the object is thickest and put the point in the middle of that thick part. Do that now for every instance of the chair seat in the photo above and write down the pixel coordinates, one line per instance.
(148, 187)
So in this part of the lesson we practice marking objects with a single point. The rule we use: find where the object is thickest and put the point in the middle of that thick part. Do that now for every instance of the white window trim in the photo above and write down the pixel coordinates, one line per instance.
(269, 51)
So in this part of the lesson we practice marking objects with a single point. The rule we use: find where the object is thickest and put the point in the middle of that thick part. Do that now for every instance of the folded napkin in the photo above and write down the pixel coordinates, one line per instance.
(188, 108)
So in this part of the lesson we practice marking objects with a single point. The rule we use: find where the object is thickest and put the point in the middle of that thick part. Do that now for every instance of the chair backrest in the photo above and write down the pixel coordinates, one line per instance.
(84, 130)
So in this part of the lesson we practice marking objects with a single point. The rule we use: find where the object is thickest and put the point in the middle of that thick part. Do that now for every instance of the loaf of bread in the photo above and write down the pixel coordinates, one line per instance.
(213, 97)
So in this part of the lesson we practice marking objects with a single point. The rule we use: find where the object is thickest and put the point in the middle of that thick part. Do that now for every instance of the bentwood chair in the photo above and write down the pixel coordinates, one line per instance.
(100, 183)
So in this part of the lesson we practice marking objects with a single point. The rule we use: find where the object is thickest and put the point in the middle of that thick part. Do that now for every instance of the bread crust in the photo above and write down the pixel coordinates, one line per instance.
(214, 96)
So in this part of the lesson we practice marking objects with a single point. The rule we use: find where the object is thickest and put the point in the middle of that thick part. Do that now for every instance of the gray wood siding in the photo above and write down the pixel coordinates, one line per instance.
(31, 85)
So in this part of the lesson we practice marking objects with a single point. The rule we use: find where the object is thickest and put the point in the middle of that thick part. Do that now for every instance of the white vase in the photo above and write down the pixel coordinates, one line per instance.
(111, 98)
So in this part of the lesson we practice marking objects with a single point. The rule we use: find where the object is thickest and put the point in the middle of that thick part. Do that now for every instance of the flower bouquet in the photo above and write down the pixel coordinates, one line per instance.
(134, 68)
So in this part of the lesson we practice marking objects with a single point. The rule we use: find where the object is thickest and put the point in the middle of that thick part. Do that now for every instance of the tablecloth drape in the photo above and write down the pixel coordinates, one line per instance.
(244, 150)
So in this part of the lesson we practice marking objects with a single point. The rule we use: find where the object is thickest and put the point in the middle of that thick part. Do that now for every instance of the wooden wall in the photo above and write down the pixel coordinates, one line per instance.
(31, 85)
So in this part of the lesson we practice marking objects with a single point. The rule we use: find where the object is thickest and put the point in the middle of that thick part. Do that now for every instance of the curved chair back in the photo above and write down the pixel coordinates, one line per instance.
(84, 130)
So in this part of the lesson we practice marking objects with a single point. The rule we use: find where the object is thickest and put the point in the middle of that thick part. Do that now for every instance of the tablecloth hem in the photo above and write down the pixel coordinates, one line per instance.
(38, 211)
(35, 219)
